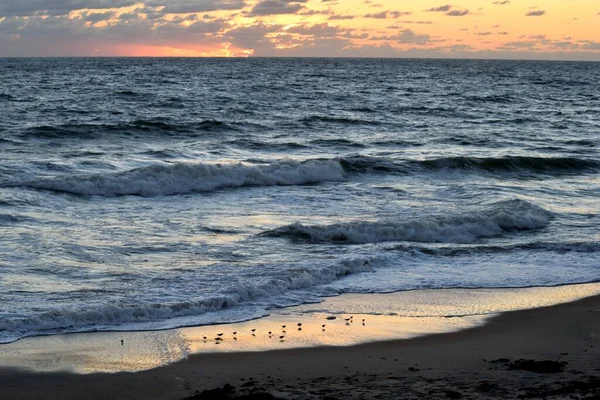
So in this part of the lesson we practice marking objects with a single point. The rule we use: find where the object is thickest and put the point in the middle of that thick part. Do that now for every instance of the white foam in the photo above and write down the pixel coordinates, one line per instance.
(179, 178)
(161, 316)
(462, 228)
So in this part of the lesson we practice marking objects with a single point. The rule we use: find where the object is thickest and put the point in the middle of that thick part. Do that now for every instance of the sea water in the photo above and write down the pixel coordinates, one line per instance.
(142, 194)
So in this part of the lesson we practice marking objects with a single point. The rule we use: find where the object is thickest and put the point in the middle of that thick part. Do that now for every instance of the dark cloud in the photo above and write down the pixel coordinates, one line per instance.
(97, 17)
(445, 8)
(56, 7)
(407, 36)
(458, 13)
(252, 37)
(323, 30)
(341, 17)
(196, 6)
(64, 36)
(64, 7)
(535, 13)
(387, 14)
(277, 7)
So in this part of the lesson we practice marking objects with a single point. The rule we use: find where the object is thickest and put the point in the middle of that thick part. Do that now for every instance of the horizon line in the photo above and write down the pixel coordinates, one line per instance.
(302, 57)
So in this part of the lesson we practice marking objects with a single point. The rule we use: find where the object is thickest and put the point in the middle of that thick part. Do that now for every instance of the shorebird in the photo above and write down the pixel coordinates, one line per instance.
(122, 342)
(282, 337)
(234, 333)
(299, 323)
(323, 327)
(218, 339)
(363, 322)
(219, 334)
(204, 337)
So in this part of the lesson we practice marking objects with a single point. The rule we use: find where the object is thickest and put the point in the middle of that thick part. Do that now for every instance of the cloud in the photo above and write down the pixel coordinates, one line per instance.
(277, 7)
(195, 6)
(56, 7)
(458, 13)
(97, 17)
(64, 7)
(589, 45)
(407, 36)
(445, 8)
(535, 13)
(387, 14)
(341, 17)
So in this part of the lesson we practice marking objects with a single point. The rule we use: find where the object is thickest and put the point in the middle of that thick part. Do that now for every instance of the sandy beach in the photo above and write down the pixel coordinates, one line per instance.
(549, 352)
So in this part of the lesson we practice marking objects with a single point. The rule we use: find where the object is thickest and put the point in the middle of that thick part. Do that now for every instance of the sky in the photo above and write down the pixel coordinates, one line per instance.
(512, 29)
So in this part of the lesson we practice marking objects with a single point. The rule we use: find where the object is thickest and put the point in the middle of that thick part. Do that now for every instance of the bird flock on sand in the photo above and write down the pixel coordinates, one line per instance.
(280, 334)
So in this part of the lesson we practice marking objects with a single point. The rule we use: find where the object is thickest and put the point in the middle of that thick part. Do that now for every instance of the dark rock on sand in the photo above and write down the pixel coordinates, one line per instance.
(500, 361)
(543, 366)
(228, 392)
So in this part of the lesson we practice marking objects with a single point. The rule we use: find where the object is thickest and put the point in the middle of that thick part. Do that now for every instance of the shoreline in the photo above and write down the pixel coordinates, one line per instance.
(324, 298)
(430, 365)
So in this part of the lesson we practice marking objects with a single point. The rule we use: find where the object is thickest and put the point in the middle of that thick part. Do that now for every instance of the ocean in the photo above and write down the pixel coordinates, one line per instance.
(140, 194)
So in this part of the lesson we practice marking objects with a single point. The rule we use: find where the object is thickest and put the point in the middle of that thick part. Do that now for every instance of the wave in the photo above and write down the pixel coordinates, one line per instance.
(264, 146)
(502, 99)
(457, 251)
(110, 316)
(513, 163)
(494, 220)
(9, 219)
(338, 120)
(339, 142)
(126, 128)
(181, 178)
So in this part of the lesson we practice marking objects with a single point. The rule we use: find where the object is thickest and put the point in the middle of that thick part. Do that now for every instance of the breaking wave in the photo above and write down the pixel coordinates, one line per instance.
(491, 221)
(181, 178)
(111, 316)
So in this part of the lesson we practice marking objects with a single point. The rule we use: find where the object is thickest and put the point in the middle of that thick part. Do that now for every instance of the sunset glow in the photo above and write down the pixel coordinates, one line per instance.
(549, 29)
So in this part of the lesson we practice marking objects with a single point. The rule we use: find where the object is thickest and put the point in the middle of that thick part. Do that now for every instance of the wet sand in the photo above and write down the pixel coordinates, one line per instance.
(560, 345)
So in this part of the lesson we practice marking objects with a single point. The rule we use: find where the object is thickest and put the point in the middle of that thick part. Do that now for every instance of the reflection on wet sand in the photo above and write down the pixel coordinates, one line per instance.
(339, 321)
